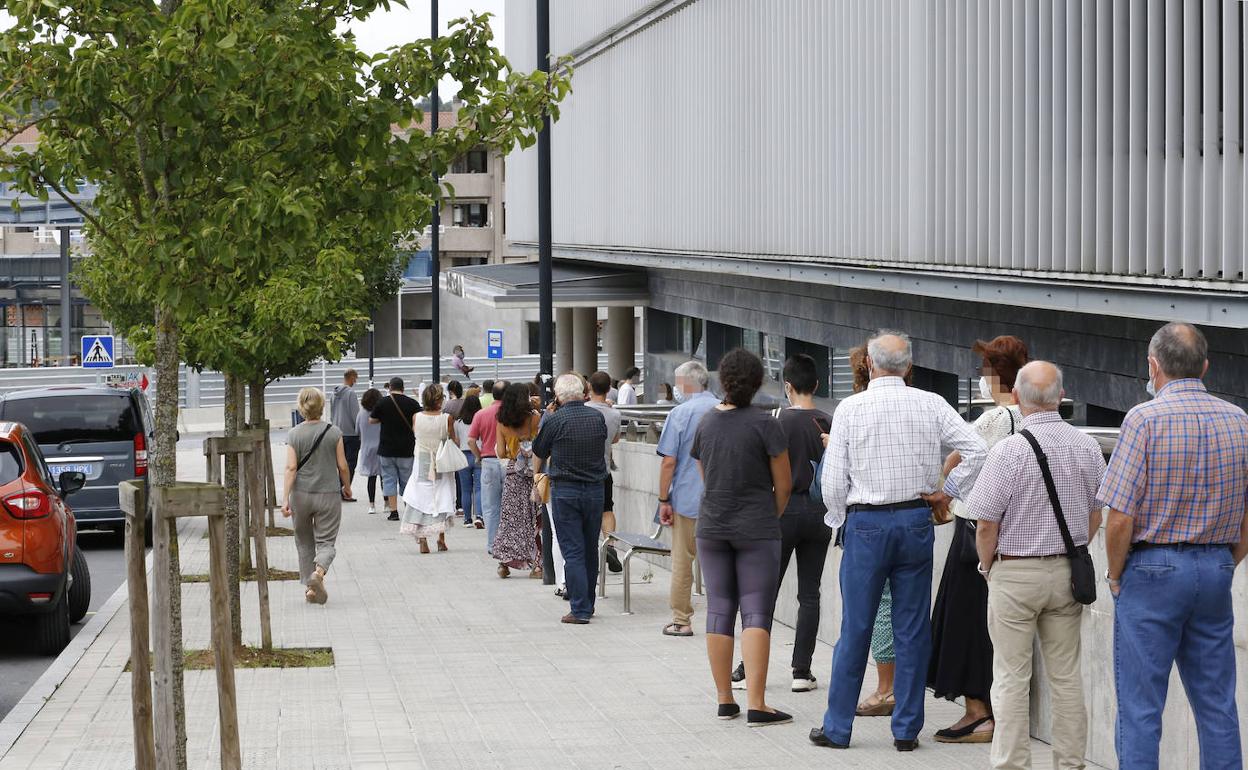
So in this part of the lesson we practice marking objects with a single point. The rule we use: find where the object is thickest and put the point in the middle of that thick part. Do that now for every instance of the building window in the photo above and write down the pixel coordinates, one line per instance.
(475, 162)
(470, 215)
(47, 236)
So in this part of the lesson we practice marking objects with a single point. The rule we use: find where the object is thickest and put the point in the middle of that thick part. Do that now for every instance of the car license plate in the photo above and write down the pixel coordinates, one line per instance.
(83, 468)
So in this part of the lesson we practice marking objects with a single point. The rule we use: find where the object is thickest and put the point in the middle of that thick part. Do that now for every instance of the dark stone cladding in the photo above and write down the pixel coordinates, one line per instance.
(1103, 358)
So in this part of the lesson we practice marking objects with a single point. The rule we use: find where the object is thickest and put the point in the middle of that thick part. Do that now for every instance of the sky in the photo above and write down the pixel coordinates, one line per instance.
(403, 25)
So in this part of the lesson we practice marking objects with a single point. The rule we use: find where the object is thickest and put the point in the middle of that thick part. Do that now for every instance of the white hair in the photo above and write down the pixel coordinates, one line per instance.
(570, 387)
(1035, 396)
(893, 361)
(695, 372)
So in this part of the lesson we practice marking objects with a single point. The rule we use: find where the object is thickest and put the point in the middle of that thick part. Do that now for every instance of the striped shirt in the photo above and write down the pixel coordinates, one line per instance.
(887, 445)
(1180, 469)
(1011, 489)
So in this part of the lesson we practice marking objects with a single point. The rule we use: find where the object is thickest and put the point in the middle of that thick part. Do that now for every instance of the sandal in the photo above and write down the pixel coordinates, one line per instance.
(674, 629)
(536, 573)
(877, 706)
(424, 545)
(316, 587)
(503, 572)
(966, 734)
(441, 543)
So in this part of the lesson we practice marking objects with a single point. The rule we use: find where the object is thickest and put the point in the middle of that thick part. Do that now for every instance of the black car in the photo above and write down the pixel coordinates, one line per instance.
(101, 432)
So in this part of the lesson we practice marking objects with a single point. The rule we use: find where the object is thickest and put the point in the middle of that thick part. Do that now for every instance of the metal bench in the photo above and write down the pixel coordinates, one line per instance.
(633, 543)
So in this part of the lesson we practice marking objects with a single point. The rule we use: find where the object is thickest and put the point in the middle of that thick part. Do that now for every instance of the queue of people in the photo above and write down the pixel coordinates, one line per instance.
(745, 491)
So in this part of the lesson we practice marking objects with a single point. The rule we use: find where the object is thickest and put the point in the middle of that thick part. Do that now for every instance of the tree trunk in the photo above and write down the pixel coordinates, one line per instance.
(233, 421)
(167, 637)
(259, 420)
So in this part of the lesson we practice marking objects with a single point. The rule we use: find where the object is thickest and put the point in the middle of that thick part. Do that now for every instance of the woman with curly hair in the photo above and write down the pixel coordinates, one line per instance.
(744, 458)
(515, 544)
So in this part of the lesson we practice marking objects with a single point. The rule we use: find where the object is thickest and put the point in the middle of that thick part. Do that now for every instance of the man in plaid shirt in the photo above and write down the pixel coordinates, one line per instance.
(1176, 489)
(1023, 557)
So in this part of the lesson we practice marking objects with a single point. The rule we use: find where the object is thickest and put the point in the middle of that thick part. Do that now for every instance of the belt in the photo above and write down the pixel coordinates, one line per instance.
(1004, 557)
(1144, 545)
(860, 507)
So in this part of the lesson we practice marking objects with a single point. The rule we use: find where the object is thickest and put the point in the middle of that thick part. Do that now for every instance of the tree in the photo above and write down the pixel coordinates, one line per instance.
(214, 128)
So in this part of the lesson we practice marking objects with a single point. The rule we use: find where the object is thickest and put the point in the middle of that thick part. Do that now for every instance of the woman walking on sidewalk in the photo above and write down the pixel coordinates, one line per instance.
(370, 437)
(470, 477)
(430, 496)
(515, 544)
(317, 479)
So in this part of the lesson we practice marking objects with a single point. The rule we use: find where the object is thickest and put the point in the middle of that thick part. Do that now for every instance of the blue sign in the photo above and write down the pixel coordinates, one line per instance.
(97, 351)
(494, 344)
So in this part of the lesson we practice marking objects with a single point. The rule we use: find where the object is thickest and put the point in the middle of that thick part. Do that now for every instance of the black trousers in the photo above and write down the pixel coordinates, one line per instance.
(351, 447)
(806, 535)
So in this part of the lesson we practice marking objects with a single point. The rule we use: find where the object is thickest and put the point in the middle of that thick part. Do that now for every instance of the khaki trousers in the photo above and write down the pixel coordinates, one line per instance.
(684, 551)
(1030, 599)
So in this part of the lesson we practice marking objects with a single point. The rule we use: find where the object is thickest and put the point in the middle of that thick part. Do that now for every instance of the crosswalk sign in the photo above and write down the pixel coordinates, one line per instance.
(97, 351)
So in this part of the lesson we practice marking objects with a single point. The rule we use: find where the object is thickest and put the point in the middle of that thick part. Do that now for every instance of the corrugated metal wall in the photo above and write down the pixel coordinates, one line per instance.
(1072, 136)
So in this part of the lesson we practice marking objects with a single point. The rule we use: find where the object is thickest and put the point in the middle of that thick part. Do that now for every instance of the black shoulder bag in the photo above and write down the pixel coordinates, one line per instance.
(304, 460)
(1082, 573)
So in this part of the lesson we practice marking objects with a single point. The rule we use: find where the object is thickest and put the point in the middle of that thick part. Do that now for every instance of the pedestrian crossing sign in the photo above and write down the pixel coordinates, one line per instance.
(97, 351)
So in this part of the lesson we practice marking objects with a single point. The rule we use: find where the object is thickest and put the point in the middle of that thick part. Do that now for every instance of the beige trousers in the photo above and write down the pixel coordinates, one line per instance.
(684, 551)
(1030, 599)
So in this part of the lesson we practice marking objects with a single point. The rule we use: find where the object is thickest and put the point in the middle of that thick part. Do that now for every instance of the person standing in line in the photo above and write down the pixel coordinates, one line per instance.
(743, 456)
(882, 467)
(454, 402)
(470, 477)
(370, 436)
(316, 482)
(1177, 528)
(429, 494)
(345, 409)
(457, 360)
(482, 441)
(667, 397)
(487, 393)
(572, 439)
(1022, 560)
(680, 488)
(802, 529)
(628, 387)
(395, 448)
(515, 543)
(599, 385)
(961, 662)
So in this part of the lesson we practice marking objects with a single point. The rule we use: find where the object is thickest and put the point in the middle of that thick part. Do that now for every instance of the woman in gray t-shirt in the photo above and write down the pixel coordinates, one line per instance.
(317, 480)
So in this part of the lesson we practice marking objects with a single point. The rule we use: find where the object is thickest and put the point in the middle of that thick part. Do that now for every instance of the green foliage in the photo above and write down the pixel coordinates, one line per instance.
(250, 180)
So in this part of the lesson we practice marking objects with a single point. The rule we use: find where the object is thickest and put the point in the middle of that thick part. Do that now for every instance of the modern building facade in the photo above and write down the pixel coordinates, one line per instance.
(796, 175)
(793, 176)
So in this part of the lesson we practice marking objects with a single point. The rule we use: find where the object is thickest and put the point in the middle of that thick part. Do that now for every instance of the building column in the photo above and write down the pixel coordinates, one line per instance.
(620, 341)
(563, 340)
(585, 340)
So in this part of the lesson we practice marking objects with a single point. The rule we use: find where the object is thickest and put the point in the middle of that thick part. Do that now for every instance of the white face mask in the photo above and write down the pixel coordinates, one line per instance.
(1150, 388)
(985, 390)
(678, 394)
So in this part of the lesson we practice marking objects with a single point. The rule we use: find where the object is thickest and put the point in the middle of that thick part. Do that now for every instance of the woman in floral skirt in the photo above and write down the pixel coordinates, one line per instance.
(515, 545)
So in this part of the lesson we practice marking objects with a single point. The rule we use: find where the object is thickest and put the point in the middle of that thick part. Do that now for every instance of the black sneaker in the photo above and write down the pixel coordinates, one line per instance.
(394, 516)
(819, 739)
(767, 718)
(803, 680)
(738, 677)
(613, 559)
(901, 744)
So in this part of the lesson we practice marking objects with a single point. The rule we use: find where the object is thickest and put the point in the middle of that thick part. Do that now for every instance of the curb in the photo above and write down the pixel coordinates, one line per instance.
(25, 710)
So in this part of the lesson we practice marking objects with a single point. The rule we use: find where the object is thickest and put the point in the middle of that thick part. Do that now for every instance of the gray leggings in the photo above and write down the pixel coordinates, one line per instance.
(739, 574)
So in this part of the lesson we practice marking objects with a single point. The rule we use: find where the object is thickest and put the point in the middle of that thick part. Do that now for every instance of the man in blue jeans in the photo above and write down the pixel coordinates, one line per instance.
(882, 467)
(572, 438)
(482, 439)
(1178, 526)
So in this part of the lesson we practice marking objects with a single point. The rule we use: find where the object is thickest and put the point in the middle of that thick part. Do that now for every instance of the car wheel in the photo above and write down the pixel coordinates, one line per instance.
(52, 629)
(80, 591)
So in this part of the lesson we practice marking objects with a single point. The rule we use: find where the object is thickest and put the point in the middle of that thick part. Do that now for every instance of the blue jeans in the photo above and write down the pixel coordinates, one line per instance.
(470, 487)
(577, 517)
(493, 471)
(1175, 607)
(893, 546)
(395, 472)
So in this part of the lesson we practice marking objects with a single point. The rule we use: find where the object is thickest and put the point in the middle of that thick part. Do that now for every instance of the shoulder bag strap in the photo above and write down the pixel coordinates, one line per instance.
(312, 451)
(1052, 489)
(1010, 412)
(406, 420)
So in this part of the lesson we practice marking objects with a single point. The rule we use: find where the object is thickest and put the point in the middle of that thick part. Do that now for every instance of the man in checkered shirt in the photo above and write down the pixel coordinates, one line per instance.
(1023, 557)
(1177, 489)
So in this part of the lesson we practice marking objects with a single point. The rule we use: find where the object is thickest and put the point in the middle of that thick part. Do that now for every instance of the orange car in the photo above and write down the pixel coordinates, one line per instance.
(42, 572)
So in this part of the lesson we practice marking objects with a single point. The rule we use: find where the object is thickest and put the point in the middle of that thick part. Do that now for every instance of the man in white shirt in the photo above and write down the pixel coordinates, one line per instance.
(628, 387)
(882, 467)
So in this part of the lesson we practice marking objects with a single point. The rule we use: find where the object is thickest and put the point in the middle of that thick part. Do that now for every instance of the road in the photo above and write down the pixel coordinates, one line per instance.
(19, 667)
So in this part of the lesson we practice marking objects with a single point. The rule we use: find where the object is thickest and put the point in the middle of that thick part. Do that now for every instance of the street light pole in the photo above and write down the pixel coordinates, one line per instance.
(545, 299)
(435, 350)
(66, 301)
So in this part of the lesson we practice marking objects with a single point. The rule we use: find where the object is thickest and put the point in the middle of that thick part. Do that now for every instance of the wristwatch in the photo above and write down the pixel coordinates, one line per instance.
(665, 500)
(1111, 581)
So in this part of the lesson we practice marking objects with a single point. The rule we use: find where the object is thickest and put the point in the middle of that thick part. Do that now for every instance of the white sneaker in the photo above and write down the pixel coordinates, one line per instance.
(372, 509)
(803, 681)
(467, 524)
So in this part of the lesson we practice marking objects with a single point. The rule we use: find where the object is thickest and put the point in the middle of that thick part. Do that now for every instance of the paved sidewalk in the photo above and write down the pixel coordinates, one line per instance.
(440, 664)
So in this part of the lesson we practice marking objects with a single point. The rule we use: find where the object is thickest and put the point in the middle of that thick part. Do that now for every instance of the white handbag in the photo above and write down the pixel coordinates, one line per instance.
(450, 458)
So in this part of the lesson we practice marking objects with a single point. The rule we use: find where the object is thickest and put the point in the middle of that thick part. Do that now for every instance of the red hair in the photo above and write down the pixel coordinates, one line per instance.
(1004, 355)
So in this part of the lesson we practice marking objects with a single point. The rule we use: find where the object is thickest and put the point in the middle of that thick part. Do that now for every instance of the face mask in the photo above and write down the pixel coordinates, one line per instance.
(1150, 388)
(678, 395)
(985, 389)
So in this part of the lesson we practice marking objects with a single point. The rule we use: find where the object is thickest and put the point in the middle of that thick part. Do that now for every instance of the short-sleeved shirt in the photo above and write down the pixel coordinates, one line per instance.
(628, 394)
(735, 447)
(484, 429)
(611, 416)
(395, 413)
(1180, 468)
(320, 473)
(677, 438)
(572, 438)
(804, 429)
(452, 406)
